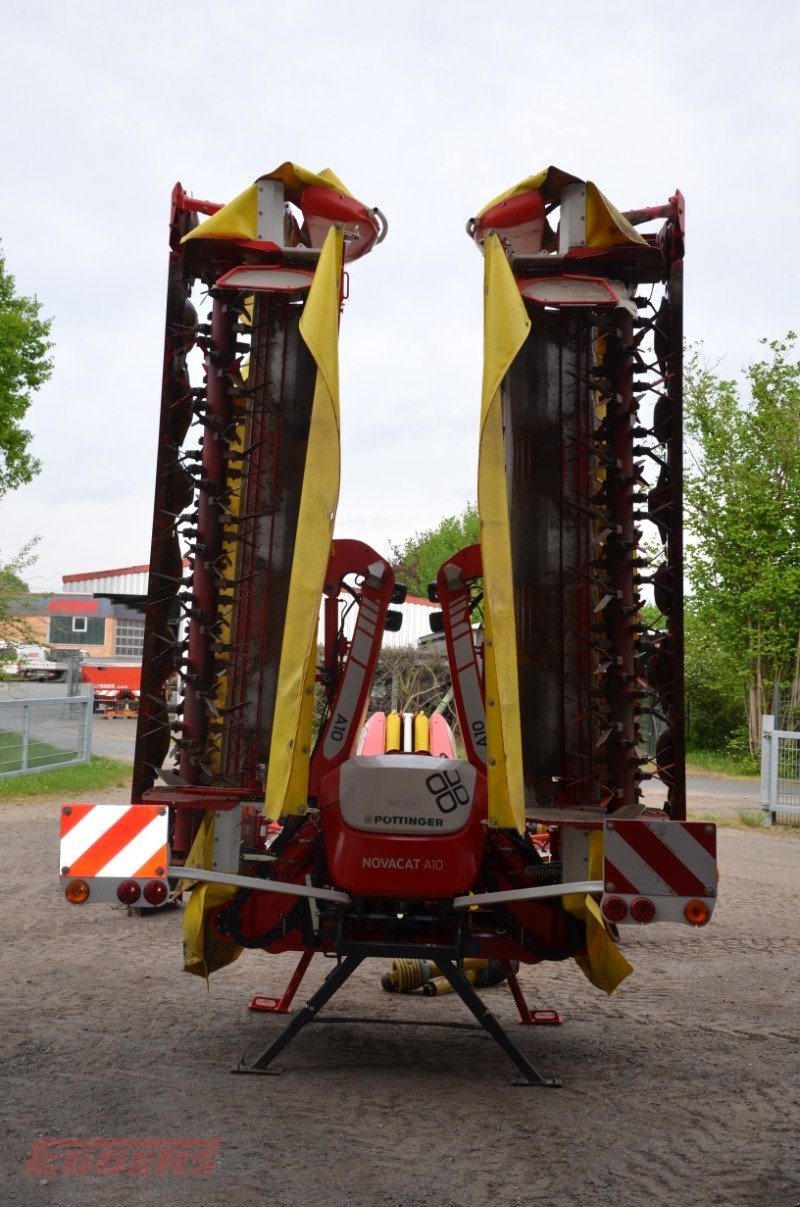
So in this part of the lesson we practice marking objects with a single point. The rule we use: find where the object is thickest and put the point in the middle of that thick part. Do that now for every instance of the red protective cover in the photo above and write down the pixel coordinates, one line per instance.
(326, 205)
(525, 207)
(419, 866)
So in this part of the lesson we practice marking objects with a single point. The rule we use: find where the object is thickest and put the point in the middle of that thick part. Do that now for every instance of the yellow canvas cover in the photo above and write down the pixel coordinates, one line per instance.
(287, 780)
(605, 225)
(604, 964)
(287, 776)
(238, 219)
(204, 951)
(290, 748)
(505, 328)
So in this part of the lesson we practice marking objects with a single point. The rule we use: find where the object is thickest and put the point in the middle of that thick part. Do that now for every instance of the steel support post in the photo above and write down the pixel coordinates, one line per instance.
(26, 736)
(446, 965)
(489, 1023)
(283, 1004)
(88, 713)
(539, 1018)
(332, 983)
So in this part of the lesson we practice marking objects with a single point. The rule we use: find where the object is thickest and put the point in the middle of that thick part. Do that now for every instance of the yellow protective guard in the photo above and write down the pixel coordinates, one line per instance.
(290, 748)
(605, 225)
(506, 326)
(238, 219)
(203, 951)
(604, 964)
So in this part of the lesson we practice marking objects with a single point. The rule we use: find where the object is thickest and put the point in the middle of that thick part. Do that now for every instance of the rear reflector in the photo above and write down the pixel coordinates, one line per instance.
(643, 910)
(569, 291)
(128, 892)
(77, 891)
(155, 892)
(265, 277)
(615, 909)
(696, 912)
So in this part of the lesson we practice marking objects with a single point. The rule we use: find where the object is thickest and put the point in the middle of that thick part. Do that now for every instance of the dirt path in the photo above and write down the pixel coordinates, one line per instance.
(684, 1088)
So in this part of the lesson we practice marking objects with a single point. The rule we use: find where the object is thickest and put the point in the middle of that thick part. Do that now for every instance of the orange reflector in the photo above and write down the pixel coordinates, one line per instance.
(696, 912)
(77, 891)
(643, 910)
(264, 276)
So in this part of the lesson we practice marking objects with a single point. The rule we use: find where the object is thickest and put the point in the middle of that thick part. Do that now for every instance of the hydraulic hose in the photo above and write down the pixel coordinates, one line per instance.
(408, 975)
(492, 973)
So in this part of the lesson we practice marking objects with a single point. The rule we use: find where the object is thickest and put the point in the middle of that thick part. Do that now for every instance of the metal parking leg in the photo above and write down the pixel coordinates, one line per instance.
(283, 1004)
(541, 1017)
(489, 1023)
(332, 983)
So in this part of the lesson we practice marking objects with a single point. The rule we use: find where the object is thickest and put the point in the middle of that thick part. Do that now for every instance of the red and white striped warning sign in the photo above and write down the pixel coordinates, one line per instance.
(120, 841)
(669, 862)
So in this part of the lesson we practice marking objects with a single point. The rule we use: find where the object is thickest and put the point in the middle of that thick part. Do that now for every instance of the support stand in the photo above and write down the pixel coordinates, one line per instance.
(445, 962)
(333, 982)
(538, 1018)
(283, 1004)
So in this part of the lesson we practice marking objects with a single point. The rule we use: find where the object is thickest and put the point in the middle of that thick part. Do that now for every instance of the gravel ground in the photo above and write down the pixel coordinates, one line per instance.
(683, 1088)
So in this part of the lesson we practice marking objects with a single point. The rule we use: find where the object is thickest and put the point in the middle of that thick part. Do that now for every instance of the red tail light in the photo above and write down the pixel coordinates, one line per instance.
(615, 909)
(128, 892)
(643, 910)
(155, 892)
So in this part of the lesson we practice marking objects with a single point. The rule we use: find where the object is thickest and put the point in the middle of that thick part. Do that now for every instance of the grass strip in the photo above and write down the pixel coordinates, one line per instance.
(84, 778)
(744, 821)
(715, 762)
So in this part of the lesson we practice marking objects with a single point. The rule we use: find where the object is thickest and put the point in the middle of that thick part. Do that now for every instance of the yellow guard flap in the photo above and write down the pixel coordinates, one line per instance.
(604, 964)
(605, 225)
(506, 326)
(238, 219)
(287, 773)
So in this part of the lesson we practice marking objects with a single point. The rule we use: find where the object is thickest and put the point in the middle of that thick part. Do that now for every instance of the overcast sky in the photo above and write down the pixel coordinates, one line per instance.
(425, 109)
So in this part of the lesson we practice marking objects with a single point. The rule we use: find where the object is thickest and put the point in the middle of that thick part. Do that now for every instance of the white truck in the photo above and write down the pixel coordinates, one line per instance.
(34, 662)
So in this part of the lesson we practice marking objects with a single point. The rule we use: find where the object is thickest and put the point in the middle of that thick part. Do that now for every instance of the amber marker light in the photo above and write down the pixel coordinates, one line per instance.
(77, 891)
(696, 913)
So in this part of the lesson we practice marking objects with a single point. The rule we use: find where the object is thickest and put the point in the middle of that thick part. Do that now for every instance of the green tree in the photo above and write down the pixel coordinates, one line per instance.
(743, 514)
(14, 628)
(414, 679)
(24, 367)
(417, 561)
(716, 684)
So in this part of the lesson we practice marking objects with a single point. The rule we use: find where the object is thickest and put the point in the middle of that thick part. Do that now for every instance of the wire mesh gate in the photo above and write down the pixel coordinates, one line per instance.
(780, 774)
(38, 735)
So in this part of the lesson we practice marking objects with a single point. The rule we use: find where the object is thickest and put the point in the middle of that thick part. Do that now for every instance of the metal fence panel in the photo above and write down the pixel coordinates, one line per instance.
(780, 774)
(39, 735)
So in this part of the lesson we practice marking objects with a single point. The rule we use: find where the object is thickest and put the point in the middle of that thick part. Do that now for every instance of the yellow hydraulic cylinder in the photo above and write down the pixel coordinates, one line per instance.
(394, 732)
(422, 734)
